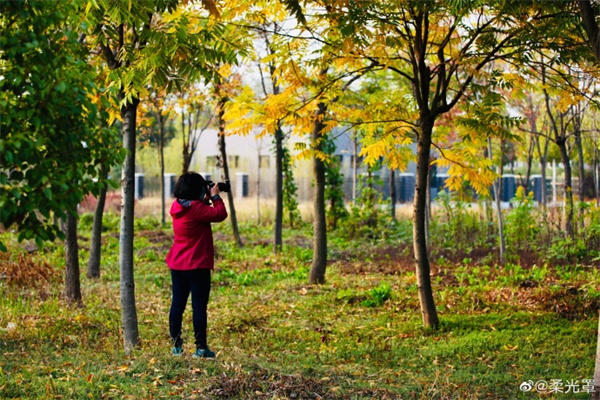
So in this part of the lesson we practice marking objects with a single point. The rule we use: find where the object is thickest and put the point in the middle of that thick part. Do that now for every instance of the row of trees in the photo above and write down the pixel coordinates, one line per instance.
(436, 74)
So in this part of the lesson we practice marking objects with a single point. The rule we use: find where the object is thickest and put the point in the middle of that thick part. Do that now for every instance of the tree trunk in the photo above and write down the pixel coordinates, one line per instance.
(278, 188)
(529, 162)
(72, 285)
(428, 310)
(319, 263)
(393, 192)
(596, 392)
(591, 26)
(223, 151)
(258, 187)
(185, 147)
(354, 167)
(581, 177)
(497, 193)
(161, 160)
(543, 165)
(564, 154)
(93, 268)
(131, 337)
(370, 185)
(596, 174)
(428, 213)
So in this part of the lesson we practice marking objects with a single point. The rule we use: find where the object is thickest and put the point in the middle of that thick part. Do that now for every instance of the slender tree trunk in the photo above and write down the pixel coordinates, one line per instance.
(544, 166)
(72, 285)
(428, 212)
(185, 147)
(564, 154)
(370, 184)
(354, 167)
(428, 310)
(93, 268)
(278, 188)
(591, 27)
(223, 150)
(497, 187)
(596, 174)
(581, 177)
(161, 159)
(529, 162)
(319, 263)
(131, 337)
(596, 392)
(258, 188)
(393, 192)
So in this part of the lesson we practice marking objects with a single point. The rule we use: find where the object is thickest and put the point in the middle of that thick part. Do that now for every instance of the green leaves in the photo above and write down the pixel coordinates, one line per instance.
(51, 134)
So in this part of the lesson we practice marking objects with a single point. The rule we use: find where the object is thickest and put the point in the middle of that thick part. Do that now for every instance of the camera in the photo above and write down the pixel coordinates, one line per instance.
(223, 186)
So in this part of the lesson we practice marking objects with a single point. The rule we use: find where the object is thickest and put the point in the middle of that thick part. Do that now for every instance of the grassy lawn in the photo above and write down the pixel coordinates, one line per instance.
(357, 336)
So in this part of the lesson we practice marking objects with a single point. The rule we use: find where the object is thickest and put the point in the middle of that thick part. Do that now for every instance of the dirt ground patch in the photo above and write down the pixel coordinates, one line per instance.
(390, 260)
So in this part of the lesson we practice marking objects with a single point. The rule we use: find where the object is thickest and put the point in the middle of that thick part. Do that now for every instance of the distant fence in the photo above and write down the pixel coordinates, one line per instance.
(248, 185)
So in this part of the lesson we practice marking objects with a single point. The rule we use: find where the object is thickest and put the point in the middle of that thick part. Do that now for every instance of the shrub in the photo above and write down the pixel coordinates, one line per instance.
(522, 227)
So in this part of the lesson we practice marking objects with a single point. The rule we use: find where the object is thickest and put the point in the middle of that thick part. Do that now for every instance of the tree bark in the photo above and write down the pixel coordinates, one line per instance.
(564, 154)
(319, 263)
(581, 176)
(593, 32)
(93, 268)
(185, 148)
(497, 193)
(428, 310)
(529, 162)
(258, 186)
(393, 192)
(354, 167)
(591, 26)
(278, 188)
(596, 392)
(131, 338)
(596, 174)
(161, 160)
(223, 151)
(72, 284)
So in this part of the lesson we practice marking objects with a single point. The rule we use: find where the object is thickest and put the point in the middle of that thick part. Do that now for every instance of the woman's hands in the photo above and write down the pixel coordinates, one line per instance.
(214, 190)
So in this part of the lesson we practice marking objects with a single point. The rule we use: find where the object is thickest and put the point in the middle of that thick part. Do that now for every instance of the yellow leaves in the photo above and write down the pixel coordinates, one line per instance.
(113, 115)
(465, 163)
(268, 58)
(567, 99)
(348, 45)
(225, 70)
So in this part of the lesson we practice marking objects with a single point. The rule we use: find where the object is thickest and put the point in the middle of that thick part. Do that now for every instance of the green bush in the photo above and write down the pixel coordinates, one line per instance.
(522, 227)
(147, 223)
(567, 250)
(458, 230)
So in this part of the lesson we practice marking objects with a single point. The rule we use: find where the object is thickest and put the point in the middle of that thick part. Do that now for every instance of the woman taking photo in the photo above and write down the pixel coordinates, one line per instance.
(191, 258)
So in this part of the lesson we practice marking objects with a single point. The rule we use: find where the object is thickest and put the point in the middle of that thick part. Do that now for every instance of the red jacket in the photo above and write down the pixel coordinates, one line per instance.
(193, 244)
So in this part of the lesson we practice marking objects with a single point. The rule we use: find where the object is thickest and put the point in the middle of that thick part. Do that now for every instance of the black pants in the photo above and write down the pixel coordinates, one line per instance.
(196, 281)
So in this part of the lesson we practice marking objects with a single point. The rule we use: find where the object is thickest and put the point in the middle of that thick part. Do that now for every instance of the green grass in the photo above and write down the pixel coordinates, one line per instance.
(357, 336)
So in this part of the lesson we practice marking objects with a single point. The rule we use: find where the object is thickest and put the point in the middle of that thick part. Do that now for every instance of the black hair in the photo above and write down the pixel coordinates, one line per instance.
(190, 186)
